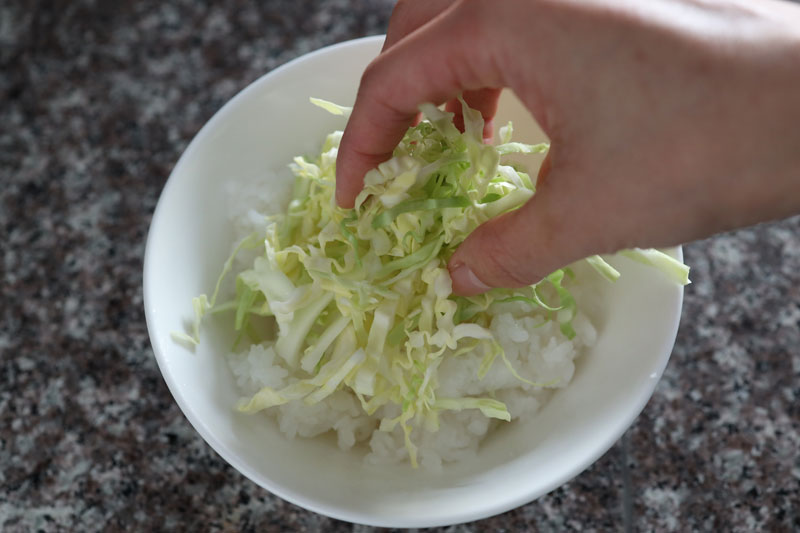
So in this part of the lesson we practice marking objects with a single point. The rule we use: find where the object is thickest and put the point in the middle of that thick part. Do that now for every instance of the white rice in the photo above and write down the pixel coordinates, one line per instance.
(539, 353)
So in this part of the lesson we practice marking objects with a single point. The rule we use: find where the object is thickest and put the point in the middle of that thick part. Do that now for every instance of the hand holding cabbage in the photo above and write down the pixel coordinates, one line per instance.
(669, 120)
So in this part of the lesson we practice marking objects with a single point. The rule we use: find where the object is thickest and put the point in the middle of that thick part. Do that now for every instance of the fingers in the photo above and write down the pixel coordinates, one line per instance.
(503, 252)
(483, 100)
(408, 15)
(433, 64)
(373, 130)
(521, 247)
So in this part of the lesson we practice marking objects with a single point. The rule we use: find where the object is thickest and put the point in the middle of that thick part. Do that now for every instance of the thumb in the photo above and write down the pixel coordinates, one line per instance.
(520, 247)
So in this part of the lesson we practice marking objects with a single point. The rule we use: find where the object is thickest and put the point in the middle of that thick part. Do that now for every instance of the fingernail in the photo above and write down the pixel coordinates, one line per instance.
(342, 200)
(465, 282)
(488, 132)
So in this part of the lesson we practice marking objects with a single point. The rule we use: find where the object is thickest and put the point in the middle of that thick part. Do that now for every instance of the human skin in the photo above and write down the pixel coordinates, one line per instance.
(669, 120)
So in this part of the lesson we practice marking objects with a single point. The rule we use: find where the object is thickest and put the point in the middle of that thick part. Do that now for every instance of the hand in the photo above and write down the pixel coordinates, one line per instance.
(669, 120)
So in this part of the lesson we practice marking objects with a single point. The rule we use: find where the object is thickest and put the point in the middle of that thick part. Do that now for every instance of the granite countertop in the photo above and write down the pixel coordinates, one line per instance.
(98, 100)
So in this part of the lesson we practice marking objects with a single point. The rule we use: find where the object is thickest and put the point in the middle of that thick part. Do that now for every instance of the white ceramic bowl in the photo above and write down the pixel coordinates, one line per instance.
(258, 132)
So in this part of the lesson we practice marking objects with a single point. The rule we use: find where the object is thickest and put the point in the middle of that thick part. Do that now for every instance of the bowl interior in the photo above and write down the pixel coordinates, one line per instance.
(258, 133)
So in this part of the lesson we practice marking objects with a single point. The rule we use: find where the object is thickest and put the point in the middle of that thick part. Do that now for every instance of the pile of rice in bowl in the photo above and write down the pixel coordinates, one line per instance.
(538, 351)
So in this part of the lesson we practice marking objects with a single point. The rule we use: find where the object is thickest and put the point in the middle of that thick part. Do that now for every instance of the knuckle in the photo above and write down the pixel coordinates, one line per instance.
(370, 72)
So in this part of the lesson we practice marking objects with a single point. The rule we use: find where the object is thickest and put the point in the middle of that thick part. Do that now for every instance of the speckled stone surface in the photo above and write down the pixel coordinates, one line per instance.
(98, 100)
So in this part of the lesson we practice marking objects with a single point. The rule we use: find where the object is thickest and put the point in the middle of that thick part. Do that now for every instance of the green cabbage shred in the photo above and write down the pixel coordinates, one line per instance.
(362, 297)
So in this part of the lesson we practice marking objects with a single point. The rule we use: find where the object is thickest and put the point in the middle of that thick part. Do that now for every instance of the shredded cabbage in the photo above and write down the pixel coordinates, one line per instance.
(362, 298)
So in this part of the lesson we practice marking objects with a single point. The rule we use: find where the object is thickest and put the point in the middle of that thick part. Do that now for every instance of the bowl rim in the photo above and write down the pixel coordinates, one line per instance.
(493, 506)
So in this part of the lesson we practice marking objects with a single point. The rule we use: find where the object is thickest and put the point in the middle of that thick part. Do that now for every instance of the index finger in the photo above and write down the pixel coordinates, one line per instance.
(433, 64)
(408, 15)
